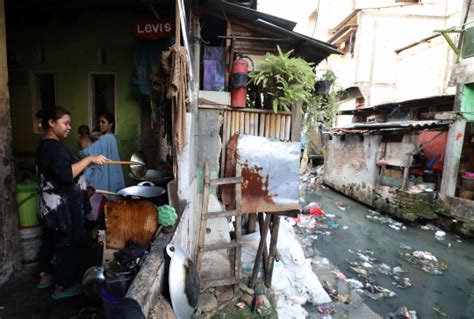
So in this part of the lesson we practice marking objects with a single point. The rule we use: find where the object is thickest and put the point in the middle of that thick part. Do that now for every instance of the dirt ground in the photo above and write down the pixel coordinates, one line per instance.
(19, 298)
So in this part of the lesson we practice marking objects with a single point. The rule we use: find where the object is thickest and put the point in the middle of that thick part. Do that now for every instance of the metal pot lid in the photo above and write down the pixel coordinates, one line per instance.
(141, 191)
(114, 269)
(138, 170)
(92, 280)
(177, 282)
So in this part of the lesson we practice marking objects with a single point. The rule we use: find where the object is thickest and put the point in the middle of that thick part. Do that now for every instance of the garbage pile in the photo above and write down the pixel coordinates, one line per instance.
(423, 260)
(312, 177)
(293, 282)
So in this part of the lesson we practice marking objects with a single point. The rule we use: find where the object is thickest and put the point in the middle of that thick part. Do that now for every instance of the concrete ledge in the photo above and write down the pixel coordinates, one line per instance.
(148, 283)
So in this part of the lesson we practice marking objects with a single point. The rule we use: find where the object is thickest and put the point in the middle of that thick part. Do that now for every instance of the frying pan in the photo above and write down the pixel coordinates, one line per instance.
(136, 192)
(137, 164)
(183, 283)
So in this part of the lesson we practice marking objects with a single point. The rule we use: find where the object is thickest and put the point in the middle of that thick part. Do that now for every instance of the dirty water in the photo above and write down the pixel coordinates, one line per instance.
(450, 294)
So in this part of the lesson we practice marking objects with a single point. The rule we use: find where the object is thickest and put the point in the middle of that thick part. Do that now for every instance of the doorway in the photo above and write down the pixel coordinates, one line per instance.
(102, 97)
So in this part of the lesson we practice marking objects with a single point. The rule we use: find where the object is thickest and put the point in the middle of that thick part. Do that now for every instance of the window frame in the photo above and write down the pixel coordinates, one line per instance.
(35, 100)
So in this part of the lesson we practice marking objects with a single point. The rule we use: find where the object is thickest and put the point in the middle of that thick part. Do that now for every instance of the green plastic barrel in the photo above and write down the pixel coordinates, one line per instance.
(27, 200)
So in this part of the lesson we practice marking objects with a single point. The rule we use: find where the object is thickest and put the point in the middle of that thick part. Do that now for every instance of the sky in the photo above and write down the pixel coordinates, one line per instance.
(294, 10)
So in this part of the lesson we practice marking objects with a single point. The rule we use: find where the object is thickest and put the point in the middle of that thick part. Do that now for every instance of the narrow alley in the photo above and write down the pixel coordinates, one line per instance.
(370, 250)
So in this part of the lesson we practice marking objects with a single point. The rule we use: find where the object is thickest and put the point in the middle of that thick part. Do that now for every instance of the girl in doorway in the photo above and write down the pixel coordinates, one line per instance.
(63, 204)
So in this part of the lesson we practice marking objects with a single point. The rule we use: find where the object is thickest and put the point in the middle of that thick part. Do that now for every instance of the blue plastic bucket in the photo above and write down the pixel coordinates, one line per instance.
(110, 301)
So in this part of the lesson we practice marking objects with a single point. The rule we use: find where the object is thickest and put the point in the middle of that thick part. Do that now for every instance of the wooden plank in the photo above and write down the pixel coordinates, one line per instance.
(261, 245)
(126, 220)
(261, 225)
(225, 213)
(220, 246)
(252, 124)
(261, 124)
(229, 127)
(246, 123)
(277, 126)
(225, 124)
(202, 227)
(226, 180)
(288, 128)
(242, 122)
(238, 225)
(227, 281)
(282, 128)
(267, 126)
(272, 126)
(245, 110)
(237, 121)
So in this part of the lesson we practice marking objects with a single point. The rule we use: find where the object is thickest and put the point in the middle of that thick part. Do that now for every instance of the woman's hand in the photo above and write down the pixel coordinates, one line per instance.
(78, 167)
(99, 159)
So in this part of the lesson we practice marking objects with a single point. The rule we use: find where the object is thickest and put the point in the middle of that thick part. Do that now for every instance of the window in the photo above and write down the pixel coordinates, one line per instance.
(43, 94)
(101, 97)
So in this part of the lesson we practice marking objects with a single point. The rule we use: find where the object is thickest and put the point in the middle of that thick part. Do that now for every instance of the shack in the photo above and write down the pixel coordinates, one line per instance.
(395, 157)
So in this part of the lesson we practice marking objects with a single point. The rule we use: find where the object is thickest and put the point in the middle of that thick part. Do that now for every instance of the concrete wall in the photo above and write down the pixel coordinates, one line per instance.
(351, 165)
(9, 241)
(463, 71)
(71, 52)
(375, 67)
(459, 213)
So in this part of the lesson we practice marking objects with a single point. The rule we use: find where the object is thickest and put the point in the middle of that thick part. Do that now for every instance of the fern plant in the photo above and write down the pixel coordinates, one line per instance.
(284, 79)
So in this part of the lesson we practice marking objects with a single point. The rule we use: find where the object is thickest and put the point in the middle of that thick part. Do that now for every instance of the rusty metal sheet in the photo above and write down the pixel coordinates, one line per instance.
(270, 171)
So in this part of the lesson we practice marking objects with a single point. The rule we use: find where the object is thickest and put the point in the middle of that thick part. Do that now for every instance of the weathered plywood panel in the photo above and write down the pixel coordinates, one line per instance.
(400, 154)
(126, 220)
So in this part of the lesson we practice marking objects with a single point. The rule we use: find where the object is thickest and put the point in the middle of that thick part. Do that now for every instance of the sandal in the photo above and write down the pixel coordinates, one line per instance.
(61, 293)
(46, 280)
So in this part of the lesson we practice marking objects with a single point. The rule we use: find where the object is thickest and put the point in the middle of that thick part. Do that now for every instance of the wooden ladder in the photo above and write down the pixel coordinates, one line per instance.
(235, 244)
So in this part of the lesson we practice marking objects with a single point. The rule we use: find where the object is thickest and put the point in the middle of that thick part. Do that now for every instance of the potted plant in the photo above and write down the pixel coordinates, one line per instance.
(323, 86)
(284, 80)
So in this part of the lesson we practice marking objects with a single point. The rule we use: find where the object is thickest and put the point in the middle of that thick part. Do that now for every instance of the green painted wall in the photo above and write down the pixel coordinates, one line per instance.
(467, 101)
(71, 51)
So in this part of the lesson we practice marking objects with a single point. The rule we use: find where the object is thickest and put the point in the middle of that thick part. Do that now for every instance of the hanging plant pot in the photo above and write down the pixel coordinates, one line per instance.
(322, 87)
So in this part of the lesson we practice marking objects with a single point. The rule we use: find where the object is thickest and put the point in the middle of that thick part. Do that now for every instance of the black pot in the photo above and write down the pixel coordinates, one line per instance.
(118, 278)
(322, 87)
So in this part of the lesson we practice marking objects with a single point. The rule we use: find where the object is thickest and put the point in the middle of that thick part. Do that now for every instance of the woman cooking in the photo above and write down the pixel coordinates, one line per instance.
(63, 204)
(108, 177)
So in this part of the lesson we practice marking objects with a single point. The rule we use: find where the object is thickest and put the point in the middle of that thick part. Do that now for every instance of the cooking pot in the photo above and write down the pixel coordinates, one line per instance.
(136, 192)
(92, 280)
(159, 178)
(118, 278)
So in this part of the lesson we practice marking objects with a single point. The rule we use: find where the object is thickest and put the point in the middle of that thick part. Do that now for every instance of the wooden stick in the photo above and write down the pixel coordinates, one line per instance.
(258, 258)
(273, 249)
(101, 191)
(124, 163)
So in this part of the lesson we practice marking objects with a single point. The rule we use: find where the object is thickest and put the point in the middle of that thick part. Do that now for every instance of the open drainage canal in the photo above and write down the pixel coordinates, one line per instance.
(441, 272)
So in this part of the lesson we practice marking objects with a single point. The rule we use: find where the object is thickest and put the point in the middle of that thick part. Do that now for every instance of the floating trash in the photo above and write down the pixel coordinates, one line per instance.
(378, 218)
(425, 261)
(376, 292)
(440, 235)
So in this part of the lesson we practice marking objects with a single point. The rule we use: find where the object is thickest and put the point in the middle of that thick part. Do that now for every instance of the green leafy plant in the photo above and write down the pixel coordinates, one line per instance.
(322, 109)
(284, 80)
(329, 76)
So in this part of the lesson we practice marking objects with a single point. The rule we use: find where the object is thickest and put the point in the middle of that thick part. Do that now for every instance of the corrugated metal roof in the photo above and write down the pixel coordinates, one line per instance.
(357, 128)
(254, 15)
(431, 101)
(311, 49)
